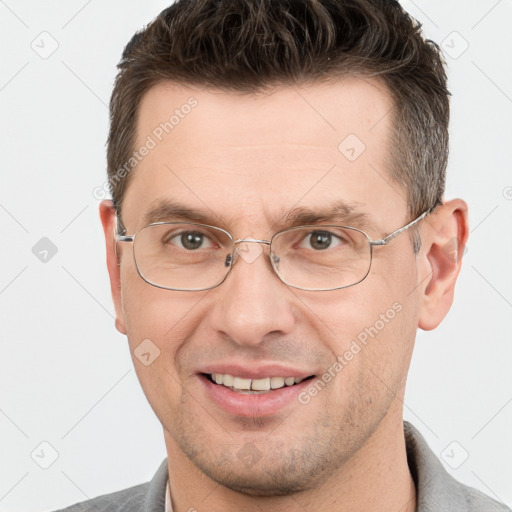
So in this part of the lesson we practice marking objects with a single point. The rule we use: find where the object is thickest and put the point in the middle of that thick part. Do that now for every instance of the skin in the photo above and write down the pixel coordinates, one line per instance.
(246, 159)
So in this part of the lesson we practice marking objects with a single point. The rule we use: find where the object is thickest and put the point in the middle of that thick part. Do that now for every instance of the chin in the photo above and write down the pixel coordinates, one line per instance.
(274, 482)
(280, 470)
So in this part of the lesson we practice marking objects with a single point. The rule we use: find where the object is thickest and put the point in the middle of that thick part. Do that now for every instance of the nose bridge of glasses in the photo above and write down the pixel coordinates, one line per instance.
(253, 240)
(247, 253)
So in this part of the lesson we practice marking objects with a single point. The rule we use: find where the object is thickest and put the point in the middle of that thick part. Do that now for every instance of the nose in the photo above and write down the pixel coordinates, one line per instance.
(252, 302)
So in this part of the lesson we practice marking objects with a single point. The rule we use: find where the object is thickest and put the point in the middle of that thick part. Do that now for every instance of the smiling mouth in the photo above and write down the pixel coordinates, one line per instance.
(253, 386)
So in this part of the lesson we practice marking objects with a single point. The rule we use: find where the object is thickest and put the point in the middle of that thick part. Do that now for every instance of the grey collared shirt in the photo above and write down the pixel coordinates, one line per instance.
(436, 490)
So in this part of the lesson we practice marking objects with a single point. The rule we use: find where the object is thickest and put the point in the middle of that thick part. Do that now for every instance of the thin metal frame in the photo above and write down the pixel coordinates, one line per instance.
(380, 242)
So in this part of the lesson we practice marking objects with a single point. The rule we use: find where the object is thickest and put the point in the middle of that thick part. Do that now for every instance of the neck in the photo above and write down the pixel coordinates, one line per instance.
(375, 479)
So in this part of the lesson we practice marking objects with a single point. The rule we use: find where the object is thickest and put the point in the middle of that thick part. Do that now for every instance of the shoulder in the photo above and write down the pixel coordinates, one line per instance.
(478, 501)
(463, 498)
(147, 497)
(436, 489)
(131, 499)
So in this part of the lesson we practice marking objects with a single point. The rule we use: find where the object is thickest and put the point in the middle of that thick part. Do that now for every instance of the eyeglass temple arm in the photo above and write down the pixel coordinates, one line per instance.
(117, 236)
(386, 240)
(123, 238)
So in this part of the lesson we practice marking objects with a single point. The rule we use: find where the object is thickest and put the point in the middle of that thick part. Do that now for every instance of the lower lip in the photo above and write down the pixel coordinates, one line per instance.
(253, 405)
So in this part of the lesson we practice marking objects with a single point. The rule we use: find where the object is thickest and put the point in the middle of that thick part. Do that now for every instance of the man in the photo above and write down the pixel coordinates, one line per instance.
(277, 235)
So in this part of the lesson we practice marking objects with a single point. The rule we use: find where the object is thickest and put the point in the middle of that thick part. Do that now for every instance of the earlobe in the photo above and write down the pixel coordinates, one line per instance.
(108, 220)
(444, 237)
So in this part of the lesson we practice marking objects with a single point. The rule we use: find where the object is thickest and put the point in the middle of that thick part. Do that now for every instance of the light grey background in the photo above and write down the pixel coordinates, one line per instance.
(66, 374)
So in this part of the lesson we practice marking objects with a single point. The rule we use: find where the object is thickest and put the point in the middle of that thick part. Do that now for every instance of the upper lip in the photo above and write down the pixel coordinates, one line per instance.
(256, 371)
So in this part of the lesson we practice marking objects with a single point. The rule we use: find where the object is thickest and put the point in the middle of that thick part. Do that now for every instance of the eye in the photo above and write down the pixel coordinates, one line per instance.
(321, 240)
(189, 240)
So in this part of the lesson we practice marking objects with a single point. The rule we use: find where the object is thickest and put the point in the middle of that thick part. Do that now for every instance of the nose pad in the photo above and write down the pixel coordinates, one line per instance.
(250, 250)
(275, 260)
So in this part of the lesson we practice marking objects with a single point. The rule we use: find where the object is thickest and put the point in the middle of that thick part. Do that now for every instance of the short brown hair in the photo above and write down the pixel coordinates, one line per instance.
(248, 46)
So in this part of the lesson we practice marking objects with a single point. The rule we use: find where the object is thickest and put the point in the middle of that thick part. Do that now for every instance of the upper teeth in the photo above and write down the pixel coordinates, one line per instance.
(255, 384)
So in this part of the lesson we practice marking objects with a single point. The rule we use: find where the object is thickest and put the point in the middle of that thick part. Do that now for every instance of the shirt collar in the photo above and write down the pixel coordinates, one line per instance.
(168, 502)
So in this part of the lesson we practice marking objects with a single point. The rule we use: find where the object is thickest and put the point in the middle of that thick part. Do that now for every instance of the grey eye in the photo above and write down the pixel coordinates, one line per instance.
(320, 240)
(191, 240)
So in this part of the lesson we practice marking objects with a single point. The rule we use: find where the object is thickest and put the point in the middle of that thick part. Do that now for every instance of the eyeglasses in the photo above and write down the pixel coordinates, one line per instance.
(193, 257)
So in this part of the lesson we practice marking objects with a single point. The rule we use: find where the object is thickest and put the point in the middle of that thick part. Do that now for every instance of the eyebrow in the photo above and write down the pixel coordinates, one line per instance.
(339, 212)
(166, 210)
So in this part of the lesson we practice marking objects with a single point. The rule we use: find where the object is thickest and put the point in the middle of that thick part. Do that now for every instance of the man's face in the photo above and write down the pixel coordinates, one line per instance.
(245, 161)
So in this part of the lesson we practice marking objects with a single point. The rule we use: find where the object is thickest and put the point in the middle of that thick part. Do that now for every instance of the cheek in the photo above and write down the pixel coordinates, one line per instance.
(164, 318)
(158, 324)
(151, 312)
(370, 328)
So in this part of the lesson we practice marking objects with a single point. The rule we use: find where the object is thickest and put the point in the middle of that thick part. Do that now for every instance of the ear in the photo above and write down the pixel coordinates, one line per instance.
(108, 220)
(444, 236)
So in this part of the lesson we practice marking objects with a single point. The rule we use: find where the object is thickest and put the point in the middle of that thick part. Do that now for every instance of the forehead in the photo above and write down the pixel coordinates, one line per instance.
(248, 158)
